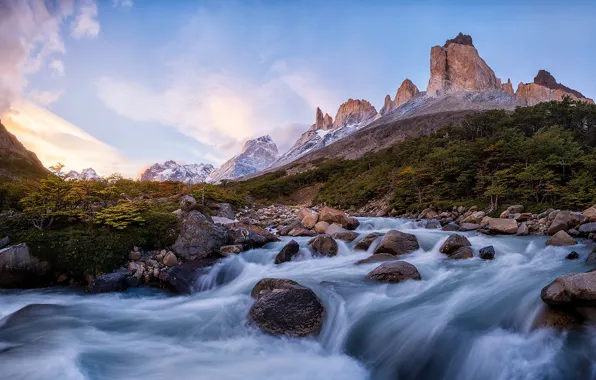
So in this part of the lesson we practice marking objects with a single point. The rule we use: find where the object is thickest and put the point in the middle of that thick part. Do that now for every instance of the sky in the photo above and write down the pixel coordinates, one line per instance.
(120, 84)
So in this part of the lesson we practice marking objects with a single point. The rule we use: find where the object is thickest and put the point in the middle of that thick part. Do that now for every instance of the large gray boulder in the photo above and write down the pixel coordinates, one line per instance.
(225, 211)
(198, 237)
(284, 307)
(20, 269)
(564, 221)
(394, 271)
(571, 290)
(397, 243)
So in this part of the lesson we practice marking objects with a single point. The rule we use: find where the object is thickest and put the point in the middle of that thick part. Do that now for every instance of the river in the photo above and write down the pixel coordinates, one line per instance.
(466, 320)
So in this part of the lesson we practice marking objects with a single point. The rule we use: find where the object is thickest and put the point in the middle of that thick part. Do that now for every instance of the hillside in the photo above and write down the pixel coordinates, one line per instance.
(16, 162)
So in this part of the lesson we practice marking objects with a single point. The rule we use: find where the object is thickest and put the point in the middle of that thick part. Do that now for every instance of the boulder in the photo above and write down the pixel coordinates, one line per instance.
(321, 227)
(4, 242)
(379, 257)
(187, 203)
(352, 224)
(183, 277)
(338, 232)
(284, 307)
(324, 245)
(522, 230)
(591, 259)
(587, 228)
(228, 250)
(453, 243)
(433, 224)
(558, 318)
(287, 252)
(397, 243)
(451, 226)
(290, 226)
(170, 259)
(246, 238)
(571, 290)
(135, 254)
(221, 221)
(564, 220)
(331, 216)
(462, 253)
(225, 211)
(572, 256)
(502, 226)
(310, 220)
(198, 236)
(20, 269)
(271, 237)
(467, 227)
(487, 253)
(428, 213)
(590, 214)
(561, 238)
(110, 282)
(366, 242)
(475, 217)
(299, 231)
(394, 271)
(523, 217)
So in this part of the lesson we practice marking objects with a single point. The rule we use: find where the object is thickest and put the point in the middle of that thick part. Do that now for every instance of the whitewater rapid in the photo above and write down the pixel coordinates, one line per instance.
(466, 320)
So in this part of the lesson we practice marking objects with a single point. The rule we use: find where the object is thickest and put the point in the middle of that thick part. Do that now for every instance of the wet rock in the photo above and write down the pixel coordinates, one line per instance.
(170, 260)
(187, 203)
(487, 253)
(321, 227)
(324, 245)
(502, 226)
(287, 252)
(301, 232)
(183, 277)
(290, 309)
(4, 242)
(522, 230)
(396, 271)
(453, 243)
(352, 224)
(462, 253)
(246, 238)
(338, 232)
(397, 243)
(451, 226)
(228, 250)
(110, 282)
(468, 227)
(558, 318)
(379, 257)
(572, 256)
(564, 220)
(432, 224)
(267, 285)
(366, 242)
(198, 236)
(561, 238)
(591, 259)
(571, 290)
(20, 269)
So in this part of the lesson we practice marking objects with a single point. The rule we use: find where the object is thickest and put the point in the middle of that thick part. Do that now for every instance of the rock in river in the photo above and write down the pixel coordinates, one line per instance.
(397, 243)
(287, 252)
(324, 245)
(571, 290)
(396, 271)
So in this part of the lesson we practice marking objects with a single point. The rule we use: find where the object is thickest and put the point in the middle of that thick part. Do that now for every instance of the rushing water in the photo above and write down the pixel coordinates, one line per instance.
(466, 319)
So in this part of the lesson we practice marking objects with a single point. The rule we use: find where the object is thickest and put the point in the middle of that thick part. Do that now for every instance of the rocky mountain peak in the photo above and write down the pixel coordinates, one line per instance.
(88, 174)
(172, 171)
(545, 88)
(461, 39)
(354, 112)
(457, 67)
(324, 123)
(405, 92)
(544, 78)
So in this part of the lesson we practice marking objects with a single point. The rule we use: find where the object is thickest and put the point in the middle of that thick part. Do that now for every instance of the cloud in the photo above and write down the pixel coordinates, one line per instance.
(45, 98)
(31, 35)
(56, 140)
(122, 3)
(85, 24)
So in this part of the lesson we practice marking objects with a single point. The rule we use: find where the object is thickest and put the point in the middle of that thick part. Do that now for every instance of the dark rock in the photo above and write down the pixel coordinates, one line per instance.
(558, 318)
(290, 226)
(462, 39)
(591, 259)
(453, 243)
(287, 252)
(587, 228)
(462, 253)
(4, 242)
(198, 236)
(572, 256)
(432, 224)
(345, 235)
(110, 282)
(228, 250)
(487, 253)
(269, 284)
(565, 220)
(271, 237)
(469, 227)
(397, 243)
(366, 242)
(396, 271)
(352, 223)
(377, 258)
(290, 310)
(225, 211)
(451, 226)
(183, 277)
(20, 269)
(246, 238)
(571, 290)
(324, 245)
(187, 203)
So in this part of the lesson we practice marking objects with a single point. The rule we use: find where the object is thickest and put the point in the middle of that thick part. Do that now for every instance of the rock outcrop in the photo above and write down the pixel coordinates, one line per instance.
(544, 89)
(354, 112)
(457, 67)
(323, 123)
(20, 269)
(256, 155)
(405, 92)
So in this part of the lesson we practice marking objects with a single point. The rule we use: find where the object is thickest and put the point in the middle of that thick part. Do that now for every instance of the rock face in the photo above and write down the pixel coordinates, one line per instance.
(256, 155)
(198, 237)
(20, 269)
(394, 271)
(397, 243)
(544, 89)
(171, 171)
(571, 289)
(457, 67)
(284, 307)
(405, 92)
(354, 112)
(508, 88)
(323, 123)
(88, 174)
(15, 159)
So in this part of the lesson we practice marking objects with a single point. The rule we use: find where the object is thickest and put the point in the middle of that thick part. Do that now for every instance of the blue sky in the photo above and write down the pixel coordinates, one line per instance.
(192, 80)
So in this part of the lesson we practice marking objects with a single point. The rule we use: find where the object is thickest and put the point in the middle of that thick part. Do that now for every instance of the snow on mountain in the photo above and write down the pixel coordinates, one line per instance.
(172, 171)
(88, 174)
(256, 155)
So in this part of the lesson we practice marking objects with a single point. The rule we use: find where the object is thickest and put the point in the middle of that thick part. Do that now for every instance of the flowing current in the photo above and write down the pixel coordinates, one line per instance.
(466, 320)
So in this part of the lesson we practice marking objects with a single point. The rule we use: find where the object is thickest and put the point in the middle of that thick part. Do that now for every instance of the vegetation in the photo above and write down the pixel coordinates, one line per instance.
(539, 156)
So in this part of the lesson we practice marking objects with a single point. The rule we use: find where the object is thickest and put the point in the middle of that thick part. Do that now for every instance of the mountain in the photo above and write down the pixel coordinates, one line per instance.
(405, 92)
(172, 171)
(16, 162)
(351, 116)
(256, 155)
(545, 88)
(88, 174)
